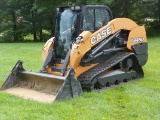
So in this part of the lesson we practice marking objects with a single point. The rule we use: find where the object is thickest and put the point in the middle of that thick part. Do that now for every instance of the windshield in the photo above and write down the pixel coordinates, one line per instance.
(66, 31)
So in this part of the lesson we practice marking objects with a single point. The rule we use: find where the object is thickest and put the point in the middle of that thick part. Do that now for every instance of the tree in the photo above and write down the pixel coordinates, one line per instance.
(9, 19)
(21, 18)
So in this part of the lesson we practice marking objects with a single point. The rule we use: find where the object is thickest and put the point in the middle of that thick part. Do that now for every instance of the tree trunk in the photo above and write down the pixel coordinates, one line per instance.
(15, 36)
(40, 32)
(34, 31)
(159, 10)
(34, 25)
(52, 26)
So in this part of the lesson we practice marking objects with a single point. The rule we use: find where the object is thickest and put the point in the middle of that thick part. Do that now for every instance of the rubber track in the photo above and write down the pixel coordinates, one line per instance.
(86, 79)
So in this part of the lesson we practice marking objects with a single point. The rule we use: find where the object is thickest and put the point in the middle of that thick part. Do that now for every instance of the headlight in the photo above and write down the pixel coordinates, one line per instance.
(77, 8)
(79, 39)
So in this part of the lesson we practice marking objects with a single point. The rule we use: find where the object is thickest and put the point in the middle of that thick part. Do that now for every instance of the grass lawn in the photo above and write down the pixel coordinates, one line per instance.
(137, 100)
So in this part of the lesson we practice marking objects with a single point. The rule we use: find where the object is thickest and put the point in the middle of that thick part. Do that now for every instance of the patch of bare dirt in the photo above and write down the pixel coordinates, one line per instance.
(31, 94)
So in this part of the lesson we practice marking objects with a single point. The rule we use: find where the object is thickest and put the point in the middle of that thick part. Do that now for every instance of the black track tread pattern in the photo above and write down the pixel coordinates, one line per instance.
(86, 79)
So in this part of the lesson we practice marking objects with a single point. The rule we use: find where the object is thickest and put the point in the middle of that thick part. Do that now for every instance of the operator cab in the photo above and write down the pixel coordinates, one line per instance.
(73, 20)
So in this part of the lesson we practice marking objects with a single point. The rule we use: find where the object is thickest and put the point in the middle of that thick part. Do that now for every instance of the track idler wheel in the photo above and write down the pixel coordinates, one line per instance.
(117, 82)
(126, 64)
(108, 84)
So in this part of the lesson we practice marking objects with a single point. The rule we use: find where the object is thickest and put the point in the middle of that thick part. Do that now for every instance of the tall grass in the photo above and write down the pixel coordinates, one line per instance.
(137, 100)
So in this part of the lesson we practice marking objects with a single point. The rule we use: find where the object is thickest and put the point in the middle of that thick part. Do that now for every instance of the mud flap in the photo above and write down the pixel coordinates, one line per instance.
(61, 87)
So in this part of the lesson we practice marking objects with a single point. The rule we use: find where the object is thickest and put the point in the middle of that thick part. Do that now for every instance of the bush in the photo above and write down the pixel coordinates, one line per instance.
(153, 28)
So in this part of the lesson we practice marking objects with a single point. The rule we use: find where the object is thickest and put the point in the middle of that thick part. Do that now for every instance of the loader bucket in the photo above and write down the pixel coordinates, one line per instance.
(39, 86)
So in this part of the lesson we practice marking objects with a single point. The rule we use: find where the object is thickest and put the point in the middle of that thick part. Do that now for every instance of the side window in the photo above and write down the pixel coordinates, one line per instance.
(94, 19)
(102, 17)
(88, 20)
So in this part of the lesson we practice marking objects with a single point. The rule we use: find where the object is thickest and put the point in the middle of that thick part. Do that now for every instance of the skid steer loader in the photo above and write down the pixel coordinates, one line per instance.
(90, 50)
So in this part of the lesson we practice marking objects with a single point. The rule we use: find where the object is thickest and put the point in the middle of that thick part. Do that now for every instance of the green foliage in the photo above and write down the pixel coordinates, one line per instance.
(6, 36)
(136, 100)
(153, 27)
(20, 18)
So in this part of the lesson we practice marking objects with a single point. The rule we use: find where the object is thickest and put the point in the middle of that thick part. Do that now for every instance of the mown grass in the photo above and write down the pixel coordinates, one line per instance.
(137, 100)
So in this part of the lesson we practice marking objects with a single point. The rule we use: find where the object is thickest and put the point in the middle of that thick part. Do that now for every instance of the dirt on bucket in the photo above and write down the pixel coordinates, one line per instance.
(31, 94)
